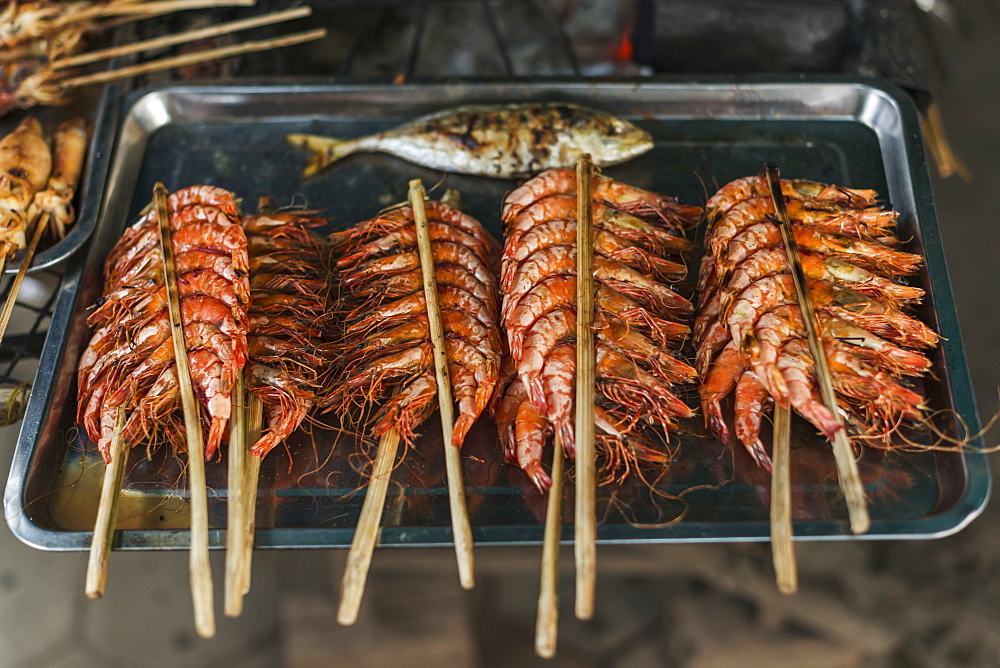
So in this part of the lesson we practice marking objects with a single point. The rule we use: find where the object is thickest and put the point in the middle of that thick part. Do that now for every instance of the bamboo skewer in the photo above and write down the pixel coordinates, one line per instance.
(15, 286)
(235, 513)
(243, 490)
(359, 558)
(201, 569)
(461, 528)
(140, 8)
(782, 549)
(585, 539)
(107, 513)
(547, 623)
(847, 467)
(243, 483)
(181, 38)
(251, 472)
(190, 59)
(948, 163)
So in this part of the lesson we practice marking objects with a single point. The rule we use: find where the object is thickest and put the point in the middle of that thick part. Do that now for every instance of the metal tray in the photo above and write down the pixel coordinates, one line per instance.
(92, 178)
(856, 133)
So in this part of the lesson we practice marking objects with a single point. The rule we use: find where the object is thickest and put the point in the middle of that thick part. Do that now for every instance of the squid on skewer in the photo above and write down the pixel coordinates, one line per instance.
(25, 165)
(69, 147)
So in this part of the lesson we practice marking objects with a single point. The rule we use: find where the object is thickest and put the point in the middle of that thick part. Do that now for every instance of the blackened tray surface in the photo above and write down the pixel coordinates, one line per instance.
(855, 133)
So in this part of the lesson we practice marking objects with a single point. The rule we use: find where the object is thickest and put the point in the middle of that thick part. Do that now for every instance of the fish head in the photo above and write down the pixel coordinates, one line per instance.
(619, 140)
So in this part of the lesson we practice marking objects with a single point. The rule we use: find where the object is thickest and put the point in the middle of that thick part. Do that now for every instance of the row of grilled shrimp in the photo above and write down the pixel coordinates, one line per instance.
(637, 313)
(258, 301)
(288, 353)
(749, 332)
(385, 349)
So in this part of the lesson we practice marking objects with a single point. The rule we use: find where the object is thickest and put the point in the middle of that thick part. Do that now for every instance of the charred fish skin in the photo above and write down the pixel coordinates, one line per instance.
(500, 141)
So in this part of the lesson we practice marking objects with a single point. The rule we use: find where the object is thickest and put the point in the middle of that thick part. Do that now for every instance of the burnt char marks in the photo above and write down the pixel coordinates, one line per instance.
(467, 141)
(464, 137)
(566, 112)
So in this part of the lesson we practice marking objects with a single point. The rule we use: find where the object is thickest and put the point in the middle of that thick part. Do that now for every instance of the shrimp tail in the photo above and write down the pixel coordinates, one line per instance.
(215, 434)
(539, 477)
(461, 429)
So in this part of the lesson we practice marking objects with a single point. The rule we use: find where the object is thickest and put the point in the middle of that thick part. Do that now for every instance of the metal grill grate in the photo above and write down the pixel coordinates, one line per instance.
(29, 323)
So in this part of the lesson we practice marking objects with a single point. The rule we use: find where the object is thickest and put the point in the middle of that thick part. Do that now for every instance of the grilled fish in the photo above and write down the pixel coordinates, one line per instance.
(502, 141)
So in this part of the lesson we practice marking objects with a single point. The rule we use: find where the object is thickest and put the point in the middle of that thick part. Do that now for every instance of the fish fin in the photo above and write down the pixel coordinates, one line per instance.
(323, 151)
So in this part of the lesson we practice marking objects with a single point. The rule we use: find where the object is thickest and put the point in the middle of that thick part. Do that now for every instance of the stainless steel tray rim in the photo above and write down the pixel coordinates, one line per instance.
(942, 524)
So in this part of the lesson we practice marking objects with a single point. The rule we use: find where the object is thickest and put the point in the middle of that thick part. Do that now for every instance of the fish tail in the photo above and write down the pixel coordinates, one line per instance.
(323, 151)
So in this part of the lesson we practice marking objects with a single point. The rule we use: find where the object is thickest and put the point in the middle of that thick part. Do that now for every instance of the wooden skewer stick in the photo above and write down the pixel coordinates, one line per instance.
(190, 59)
(359, 558)
(255, 416)
(201, 569)
(782, 549)
(547, 624)
(585, 539)
(461, 528)
(847, 467)
(235, 513)
(107, 512)
(251, 471)
(144, 8)
(15, 286)
(181, 38)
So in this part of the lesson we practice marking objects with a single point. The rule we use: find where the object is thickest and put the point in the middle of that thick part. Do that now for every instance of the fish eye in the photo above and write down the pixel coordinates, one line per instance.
(616, 130)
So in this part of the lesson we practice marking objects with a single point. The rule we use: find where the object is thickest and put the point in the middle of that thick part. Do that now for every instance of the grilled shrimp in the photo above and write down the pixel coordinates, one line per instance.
(877, 317)
(563, 182)
(606, 243)
(563, 207)
(382, 300)
(130, 361)
(874, 256)
(748, 412)
(869, 223)
(286, 364)
(749, 332)
(635, 317)
(809, 191)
